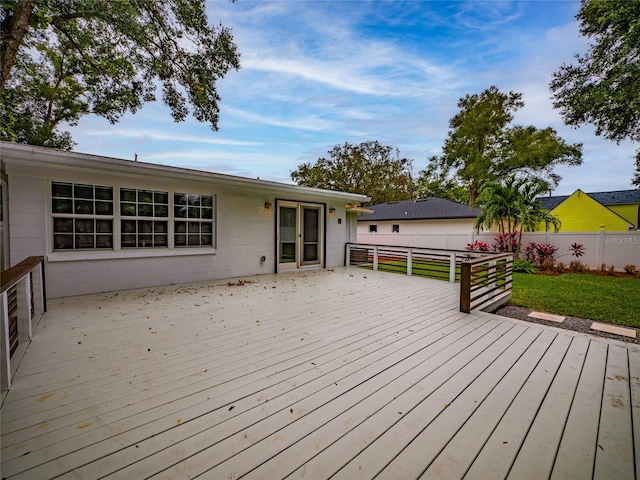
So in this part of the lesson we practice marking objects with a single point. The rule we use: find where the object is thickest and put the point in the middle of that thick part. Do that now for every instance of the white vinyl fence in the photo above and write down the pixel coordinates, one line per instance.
(610, 248)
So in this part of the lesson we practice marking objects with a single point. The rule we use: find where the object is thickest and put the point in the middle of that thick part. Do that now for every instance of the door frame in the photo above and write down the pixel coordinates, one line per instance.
(298, 264)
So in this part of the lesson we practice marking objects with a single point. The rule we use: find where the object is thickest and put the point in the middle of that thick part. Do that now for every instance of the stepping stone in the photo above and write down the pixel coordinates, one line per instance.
(608, 328)
(546, 316)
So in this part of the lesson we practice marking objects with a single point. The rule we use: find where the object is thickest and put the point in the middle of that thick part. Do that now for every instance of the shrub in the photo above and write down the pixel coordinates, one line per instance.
(576, 249)
(530, 252)
(630, 269)
(503, 240)
(611, 271)
(545, 253)
(577, 267)
(477, 246)
(560, 267)
(546, 264)
(603, 269)
(524, 266)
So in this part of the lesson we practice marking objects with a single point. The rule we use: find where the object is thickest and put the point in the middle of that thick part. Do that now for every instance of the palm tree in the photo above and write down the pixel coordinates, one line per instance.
(512, 206)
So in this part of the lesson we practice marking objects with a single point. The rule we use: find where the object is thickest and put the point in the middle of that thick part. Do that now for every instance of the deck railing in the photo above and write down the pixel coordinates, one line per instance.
(22, 290)
(485, 278)
(485, 282)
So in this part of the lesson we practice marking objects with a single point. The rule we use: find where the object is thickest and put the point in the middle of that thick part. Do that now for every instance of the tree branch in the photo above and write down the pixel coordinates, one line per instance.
(12, 39)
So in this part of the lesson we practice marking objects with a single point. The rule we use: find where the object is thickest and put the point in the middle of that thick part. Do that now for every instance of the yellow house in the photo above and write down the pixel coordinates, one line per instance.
(589, 212)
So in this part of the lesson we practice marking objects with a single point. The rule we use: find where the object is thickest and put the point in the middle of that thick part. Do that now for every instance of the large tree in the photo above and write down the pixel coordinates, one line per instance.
(368, 168)
(62, 59)
(482, 146)
(603, 86)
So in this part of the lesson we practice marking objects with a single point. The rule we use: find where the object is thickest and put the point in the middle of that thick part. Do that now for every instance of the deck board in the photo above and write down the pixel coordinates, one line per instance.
(341, 373)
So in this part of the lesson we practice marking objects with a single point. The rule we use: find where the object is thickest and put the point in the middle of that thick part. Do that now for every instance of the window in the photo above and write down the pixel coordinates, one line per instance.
(395, 228)
(82, 216)
(193, 220)
(86, 217)
(144, 218)
(373, 228)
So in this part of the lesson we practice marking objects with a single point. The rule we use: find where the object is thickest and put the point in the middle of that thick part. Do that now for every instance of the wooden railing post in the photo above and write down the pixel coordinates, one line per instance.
(410, 262)
(23, 293)
(347, 258)
(465, 287)
(5, 363)
(375, 258)
(452, 267)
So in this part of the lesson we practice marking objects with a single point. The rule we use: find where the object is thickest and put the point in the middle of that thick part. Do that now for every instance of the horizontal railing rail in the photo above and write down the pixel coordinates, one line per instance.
(24, 283)
(485, 277)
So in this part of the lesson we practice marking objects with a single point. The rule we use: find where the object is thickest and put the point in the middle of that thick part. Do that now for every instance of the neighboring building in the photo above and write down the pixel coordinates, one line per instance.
(589, 212)
(430, 222)
(107, 224)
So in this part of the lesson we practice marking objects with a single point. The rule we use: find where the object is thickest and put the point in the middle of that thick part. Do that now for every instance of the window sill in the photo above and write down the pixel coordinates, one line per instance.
(124, 254)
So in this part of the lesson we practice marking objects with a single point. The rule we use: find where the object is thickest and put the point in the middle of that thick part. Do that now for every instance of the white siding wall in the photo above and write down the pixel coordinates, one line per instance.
(245, 231)
(449, 234)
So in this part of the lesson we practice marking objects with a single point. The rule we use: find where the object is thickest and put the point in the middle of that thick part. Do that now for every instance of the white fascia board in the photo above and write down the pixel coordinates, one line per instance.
(42, 156)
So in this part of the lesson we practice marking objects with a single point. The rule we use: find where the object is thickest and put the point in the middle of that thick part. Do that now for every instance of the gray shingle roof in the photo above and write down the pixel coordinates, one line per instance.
(618, 197)
(423, 209)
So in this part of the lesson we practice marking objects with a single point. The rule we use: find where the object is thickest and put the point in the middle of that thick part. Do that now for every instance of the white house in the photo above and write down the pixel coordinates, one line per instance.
(107, 224)
(429, 223)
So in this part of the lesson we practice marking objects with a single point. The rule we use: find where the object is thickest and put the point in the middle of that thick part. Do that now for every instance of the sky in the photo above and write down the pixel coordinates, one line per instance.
(316, 74)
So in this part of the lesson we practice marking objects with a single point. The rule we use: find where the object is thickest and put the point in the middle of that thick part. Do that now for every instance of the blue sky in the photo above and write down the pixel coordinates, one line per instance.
(316, 74)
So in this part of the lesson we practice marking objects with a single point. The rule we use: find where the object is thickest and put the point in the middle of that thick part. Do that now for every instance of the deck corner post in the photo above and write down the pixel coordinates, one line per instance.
(347, 257)
(410, 262)
(465, 287)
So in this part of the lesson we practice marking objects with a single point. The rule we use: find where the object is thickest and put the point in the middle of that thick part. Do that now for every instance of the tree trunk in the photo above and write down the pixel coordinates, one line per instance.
(14, 29)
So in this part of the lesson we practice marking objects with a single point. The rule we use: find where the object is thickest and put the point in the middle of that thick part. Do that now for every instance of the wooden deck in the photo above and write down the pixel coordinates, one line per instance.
(345, 374)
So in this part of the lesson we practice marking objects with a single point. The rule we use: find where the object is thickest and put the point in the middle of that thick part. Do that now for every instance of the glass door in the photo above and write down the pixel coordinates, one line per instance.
(300, 235)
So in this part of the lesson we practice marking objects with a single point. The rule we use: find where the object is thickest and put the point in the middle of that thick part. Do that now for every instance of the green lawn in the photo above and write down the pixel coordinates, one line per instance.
(602, 298)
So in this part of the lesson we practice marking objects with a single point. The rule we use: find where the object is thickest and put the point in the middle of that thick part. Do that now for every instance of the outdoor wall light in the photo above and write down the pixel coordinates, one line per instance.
(332, 210)
(268, 205)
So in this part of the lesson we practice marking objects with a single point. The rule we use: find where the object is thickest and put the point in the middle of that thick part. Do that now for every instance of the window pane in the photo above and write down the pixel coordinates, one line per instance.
(128, 226)
(104, 193)
(160, 241)
(207, 213)
(180, 212)
(145, 210)
(83, 191)
(128, 209)
(145, 227)
(128, 240)
(127, 195)
(60, 205)
(207, 201)
(181, 240)
(62, 225)
(206, 227)
(62, 242)
(194, 227)
(161, 197)
(194, 212)
(193, 199)
(161, 211)
(194, 240)
(179, 199)
(181, 227)
(84, 207)
(61, 190)
(145, 196)
(84, 226)
(160, 227)
(206, 240)
(104, 208)
(145, 241)
(104, 226)
(84, 241)
(104, 241)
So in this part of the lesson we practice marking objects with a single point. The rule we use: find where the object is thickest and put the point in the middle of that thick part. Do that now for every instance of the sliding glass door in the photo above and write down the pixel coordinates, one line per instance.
(300, 235)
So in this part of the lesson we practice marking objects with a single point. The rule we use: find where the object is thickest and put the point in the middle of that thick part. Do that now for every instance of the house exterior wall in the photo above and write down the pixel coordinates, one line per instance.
(245, 230)
(628, 212)
(446, 233)
(581, 213)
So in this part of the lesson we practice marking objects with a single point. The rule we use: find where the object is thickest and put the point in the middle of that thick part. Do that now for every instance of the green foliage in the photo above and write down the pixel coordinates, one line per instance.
(482, 148)
(524, 266)
(64, 59)
(630, 269)
(601, 87)
(602, 298)
(577, 267)
(512, 206)
(368, 168)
